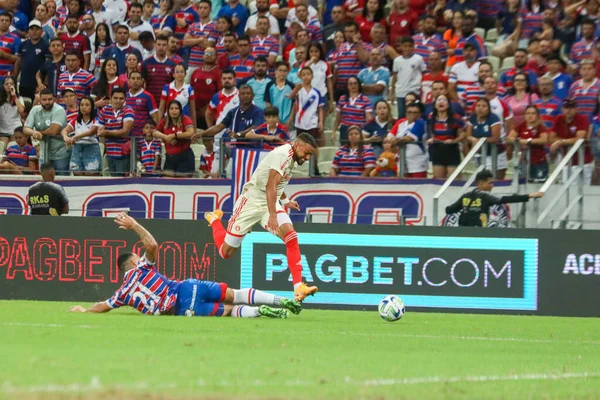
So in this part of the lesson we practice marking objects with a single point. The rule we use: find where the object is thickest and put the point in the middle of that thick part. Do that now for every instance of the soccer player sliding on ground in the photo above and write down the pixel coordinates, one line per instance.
(261, 202)
(149, 292)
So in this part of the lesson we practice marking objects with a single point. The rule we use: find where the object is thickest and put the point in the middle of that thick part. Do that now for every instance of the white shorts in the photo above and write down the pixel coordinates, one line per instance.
(247, 212)
(501, 162)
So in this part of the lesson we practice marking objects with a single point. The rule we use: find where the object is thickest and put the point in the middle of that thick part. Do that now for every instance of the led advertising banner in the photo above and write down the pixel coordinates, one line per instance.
(515, 271)
(428, 271)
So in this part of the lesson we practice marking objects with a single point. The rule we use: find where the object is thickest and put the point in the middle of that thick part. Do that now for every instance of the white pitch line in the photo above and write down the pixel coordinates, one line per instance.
(95, 383)
(36, 325)
(380, 334)
(471, 338)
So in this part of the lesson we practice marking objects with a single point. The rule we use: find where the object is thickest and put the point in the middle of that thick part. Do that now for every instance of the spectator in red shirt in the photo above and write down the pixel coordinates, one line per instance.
(73, 40)
(206, 81)
(403, 21)
(176, 131)
(230, 47)
(532, 133)
(568, 128)
(371, 15)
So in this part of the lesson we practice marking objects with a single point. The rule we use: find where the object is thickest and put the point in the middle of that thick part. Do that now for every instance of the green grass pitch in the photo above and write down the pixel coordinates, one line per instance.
(48, 353)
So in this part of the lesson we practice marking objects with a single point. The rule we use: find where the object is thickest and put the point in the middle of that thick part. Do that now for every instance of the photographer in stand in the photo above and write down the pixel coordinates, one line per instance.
(474, 207)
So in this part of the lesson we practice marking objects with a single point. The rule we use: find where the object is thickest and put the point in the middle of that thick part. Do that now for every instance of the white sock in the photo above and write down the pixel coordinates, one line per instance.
(253, 296)
(244, 312)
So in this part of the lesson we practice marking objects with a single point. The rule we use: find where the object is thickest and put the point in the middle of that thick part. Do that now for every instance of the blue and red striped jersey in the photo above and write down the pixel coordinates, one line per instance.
(446, 129)
(112, 120)
(81, 82)
(244, 68)
(349, 162)
(425, 46)
(148, 152)
(157, 74)
(198, 30)
(164, 23)
(348, 63)
(20, 156)
(79, 42)
(507, 77)
(314, 28)
(488, 8)
(9, 43)
(279, 131)
(177, 59)
(353, 111)
(532, 23)
(264, 46)
(549, 110)
(146, 290)
(143, 106)
(582, 50)
(473, 93)
(190, 15)
(585, 95)
(476, 41)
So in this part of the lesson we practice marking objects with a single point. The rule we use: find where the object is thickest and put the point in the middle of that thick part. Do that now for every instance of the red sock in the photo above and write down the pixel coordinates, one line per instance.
(293, 256)
(218, 235)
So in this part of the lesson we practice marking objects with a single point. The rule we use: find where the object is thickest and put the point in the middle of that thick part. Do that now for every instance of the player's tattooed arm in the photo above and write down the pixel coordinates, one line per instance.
(126, 222)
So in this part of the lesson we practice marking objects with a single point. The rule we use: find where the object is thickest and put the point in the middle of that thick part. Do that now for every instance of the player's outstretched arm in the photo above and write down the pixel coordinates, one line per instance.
(101, 307)
(128, 223)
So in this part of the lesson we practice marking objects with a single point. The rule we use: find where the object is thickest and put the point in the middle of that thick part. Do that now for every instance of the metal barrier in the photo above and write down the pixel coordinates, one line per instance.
(577, 147)
(474, 150)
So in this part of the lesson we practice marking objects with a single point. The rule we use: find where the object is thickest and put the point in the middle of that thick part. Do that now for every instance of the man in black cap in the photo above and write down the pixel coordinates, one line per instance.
(47, 197)
(474, 207)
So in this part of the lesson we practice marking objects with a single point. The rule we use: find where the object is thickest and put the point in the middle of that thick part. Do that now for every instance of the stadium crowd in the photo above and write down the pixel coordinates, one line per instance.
(94, 86)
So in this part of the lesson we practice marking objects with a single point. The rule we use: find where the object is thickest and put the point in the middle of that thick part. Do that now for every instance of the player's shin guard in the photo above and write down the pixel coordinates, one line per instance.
(293, 257)
(244, 312)
(253, 296)
(219, 235)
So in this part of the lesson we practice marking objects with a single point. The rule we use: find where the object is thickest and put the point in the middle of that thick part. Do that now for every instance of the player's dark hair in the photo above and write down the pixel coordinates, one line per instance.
(307, 138)
(122, 27)
(72, 16)
(271, 111)
(243, 38)
(122, 261)
(207, 2)
(47, 166)
(136, 5)
(483, 176)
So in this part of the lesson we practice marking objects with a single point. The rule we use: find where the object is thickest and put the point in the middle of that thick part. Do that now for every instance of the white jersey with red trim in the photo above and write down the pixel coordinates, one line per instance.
(281, 160)
(503, 112)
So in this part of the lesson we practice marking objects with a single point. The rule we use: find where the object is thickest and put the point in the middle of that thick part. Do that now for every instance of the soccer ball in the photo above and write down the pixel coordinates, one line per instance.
(391, 308)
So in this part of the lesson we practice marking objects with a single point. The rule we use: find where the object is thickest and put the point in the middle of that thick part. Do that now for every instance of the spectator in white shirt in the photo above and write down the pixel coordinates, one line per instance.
(137, 25)
(408, 72)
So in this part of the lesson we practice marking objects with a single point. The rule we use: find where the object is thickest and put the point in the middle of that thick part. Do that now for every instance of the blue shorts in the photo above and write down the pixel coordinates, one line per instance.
(200, 298)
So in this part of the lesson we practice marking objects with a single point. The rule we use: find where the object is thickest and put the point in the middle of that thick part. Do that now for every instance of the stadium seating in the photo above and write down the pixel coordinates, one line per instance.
(324, 167)
(327, 153)
(198, 149)
(303, 171)
(508, 63)
(495, 61)
(480, 32)
(491, 36)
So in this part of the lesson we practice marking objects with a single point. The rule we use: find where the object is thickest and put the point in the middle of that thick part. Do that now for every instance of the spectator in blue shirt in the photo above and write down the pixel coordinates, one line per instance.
(278, 93)
(240, 120)
(259, 81)
(562, 81)
(238, 14)
(375, 79)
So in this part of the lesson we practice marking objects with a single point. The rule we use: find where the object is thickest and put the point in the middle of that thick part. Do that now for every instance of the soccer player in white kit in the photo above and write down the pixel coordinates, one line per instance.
(262, 201)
